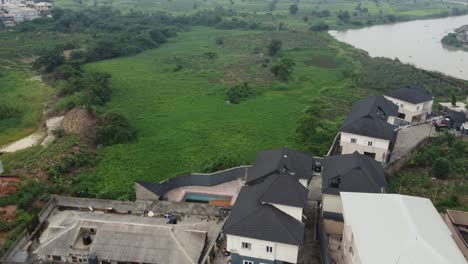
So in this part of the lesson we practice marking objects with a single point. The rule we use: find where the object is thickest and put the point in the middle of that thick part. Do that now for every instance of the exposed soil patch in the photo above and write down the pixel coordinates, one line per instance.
(8, 185)
(81, 122)
(249, 70)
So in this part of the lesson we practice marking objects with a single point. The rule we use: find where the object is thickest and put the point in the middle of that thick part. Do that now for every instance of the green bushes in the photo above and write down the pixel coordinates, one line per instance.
(274, 47)
(284, 69)
(7, 111)
(114, 129)
(238, 93)
(321, 26)
(441, 168)
(451, 40)
(49, 60)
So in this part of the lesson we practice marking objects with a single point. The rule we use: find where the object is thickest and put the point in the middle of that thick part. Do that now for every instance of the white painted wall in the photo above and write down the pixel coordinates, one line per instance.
(379, 146)
(350, 254)
(410, 110)
(332, 203)
(283, 252)
(295, 212)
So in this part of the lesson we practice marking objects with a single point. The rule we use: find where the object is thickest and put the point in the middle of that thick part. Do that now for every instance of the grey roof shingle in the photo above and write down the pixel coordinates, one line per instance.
(252, 215)
(278, 160)
(356, 173)
(414, 94)
(368, 117)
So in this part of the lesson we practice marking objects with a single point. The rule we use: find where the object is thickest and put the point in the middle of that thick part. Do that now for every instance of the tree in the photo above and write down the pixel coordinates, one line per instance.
(293, 9)
(454, 100)
(237, 93)
(321, 26)
(343, 16)
(441, 168)
(114, 129)
(284, 69)
(49, 60)
(274, 47)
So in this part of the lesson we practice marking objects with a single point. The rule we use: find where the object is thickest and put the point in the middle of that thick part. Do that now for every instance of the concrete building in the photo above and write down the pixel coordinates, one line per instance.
(78, 230)
(395, 229)
(369, 128)
(266, 223)
(414, 103)
(347, 173)
(21, 13)
(10, 3)
(42, 7)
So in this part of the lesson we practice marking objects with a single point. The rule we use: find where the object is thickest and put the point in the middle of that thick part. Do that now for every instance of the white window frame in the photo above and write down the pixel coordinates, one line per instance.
(369, 143)
(354, 140)
(247, 245)
(269, 249)
(247, 262)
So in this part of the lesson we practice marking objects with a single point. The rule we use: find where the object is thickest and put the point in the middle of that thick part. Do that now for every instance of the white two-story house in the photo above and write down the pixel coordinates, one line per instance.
(395, 229)
(347, 173)
(414, 103)
(266, 223)
(369, 128)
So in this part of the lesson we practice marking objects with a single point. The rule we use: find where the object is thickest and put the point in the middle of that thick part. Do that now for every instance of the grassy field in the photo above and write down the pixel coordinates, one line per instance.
(260, 10)
(21, 102)
(183, 120)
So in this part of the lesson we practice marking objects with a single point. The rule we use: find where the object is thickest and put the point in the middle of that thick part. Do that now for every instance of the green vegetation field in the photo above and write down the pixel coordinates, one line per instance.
(21, 103)
(262, 10)
(183, 120)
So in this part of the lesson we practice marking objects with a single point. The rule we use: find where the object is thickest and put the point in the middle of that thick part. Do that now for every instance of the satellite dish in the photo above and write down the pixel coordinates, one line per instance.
(150, 214)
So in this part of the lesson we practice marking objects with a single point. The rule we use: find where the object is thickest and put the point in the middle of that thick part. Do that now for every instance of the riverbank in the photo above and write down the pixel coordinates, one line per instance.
(416, 42)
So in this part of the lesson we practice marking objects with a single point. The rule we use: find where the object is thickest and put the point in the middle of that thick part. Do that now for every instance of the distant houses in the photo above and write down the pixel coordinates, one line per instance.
(368, 128)
(266, 223)
(395, 229)
(16, 11)
(347, 173)
(414, 103)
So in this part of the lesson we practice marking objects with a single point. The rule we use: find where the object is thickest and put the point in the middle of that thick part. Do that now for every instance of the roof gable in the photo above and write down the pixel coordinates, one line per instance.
(414, 94)
(281, 160)
(352, 173)
(368, 117)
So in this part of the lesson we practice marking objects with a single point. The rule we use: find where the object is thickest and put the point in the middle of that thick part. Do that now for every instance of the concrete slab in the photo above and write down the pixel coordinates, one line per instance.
(231, 189)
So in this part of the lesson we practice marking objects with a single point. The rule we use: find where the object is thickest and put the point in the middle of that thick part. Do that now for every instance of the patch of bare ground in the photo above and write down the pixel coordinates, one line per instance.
(322, 62)
(250, 70)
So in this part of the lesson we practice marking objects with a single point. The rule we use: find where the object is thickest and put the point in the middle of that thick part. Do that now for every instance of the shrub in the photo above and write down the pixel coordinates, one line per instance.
(284, 69)
(293, 9)
(7, 111)
(321, 26)
(237, 93)
(441, 168)
(114, 129)
(49, 60)
(274, 47)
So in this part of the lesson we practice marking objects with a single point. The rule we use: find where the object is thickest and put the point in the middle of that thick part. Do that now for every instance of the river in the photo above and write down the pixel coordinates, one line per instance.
(415, 42)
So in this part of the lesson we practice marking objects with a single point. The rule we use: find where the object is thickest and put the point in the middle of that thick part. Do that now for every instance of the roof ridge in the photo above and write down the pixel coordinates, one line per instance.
(276, 211)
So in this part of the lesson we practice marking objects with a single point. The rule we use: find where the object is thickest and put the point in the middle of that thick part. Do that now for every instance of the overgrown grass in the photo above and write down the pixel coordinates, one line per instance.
(183, 120)
(23, 97)
(417, 177)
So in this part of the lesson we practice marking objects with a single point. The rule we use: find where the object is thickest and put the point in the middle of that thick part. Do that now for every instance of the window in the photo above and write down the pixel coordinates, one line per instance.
(246, 245)
(247, 262)
(401, 105)
(56, 258)
(269, 249)
(353, 140)
(417, 107)
(369, 143)
(73, 259)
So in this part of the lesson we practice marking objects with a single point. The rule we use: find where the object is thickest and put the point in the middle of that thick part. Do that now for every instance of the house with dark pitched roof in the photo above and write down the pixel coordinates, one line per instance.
(369, 128)
(266, 223)
(347, 173)
(414, 102)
